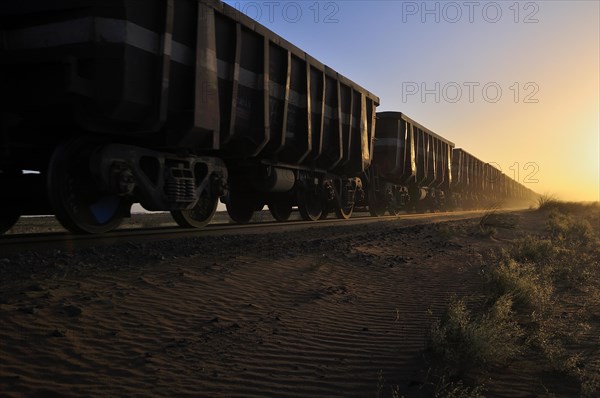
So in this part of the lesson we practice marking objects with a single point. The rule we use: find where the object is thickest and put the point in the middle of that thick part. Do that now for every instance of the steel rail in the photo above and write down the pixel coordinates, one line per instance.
(12, 244)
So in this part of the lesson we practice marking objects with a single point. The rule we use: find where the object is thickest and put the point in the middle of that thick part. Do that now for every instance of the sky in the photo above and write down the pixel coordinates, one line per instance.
(516, 83)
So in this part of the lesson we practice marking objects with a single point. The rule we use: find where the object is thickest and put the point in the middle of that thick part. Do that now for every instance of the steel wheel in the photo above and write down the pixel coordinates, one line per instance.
(240, 207)
(280, 207)
(343, 207)
(325, 213)
(77, 202)
(344, 213)
(395, 211)
(309, 204)
(377, 206)
(200, 215)
(395, 208)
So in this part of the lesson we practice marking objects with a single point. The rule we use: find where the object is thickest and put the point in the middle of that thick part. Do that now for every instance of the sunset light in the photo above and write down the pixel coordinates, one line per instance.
(299, 198)
(542, 56)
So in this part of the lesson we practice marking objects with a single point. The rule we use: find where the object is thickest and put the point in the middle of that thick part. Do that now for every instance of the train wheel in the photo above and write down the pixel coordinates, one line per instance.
(377, 206)
(344, 212)
(240, 207)
(395, 210)
(310, 204)
(199, 215)
(78, 204)
(345, 206)
(325, 212)
(344, 209)
(280, 207)
(396, 206)
(7, 221)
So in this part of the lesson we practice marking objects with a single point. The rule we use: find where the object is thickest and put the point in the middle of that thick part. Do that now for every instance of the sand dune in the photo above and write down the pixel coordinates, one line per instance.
(304, 314)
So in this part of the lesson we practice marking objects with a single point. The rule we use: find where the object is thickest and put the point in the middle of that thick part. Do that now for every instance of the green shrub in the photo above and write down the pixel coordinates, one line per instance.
(575, 268)
(549, 339)
(464, 341)
(535, 278)
(532, 249)
(530, 288)
(550, 203)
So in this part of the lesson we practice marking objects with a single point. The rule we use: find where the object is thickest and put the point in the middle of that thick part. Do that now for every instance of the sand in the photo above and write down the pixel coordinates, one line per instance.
(325, 312)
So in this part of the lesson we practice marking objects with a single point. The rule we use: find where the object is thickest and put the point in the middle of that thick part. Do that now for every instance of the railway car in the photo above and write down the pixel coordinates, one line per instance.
(477, 185)
(177, 104)
(411, 166)
(468, 180)
(518, 194)
(172, 104)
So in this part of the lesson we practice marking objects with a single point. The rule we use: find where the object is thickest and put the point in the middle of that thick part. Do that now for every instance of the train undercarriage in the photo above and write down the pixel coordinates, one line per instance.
(90, 185)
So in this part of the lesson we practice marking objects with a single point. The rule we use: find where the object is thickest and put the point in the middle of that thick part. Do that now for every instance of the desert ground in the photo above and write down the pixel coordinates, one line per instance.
(344, 311)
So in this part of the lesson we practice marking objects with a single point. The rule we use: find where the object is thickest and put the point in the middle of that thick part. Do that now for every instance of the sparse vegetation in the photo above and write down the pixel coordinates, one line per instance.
(530, 288)
(487, 231)
(446, 388)
(487, 226)
(532, 249)
(550, 202)
(464, 340)
(547, 201)
(531, 309)
(492, 220)
(499, 220)
(569, 230)
(381, 384)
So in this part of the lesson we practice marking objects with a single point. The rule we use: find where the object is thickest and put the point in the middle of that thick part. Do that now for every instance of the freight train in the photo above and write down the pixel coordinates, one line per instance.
(177, 104)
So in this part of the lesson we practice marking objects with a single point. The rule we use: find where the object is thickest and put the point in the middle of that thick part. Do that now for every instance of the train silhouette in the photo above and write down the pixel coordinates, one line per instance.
(177, 104)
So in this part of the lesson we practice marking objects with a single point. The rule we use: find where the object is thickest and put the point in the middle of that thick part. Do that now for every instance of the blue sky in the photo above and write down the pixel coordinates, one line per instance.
(517, 82)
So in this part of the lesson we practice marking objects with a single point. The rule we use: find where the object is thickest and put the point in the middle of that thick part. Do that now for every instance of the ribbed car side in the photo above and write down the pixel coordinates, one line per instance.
(177, 104)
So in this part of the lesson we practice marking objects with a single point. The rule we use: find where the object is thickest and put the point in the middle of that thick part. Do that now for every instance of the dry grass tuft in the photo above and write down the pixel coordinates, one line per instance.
(492, 220)
(542, 294)
(550, 202)
(547, 202)
(446, 388)
(464, 341)
(532, 249)
(567, 229)
(499, 220)
(531, 289)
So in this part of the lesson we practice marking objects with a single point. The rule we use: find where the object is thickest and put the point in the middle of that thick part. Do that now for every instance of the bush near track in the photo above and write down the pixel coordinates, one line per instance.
(541, 309)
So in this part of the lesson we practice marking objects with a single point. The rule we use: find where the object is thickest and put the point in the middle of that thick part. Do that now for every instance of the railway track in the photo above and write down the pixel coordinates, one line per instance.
(13, 244)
